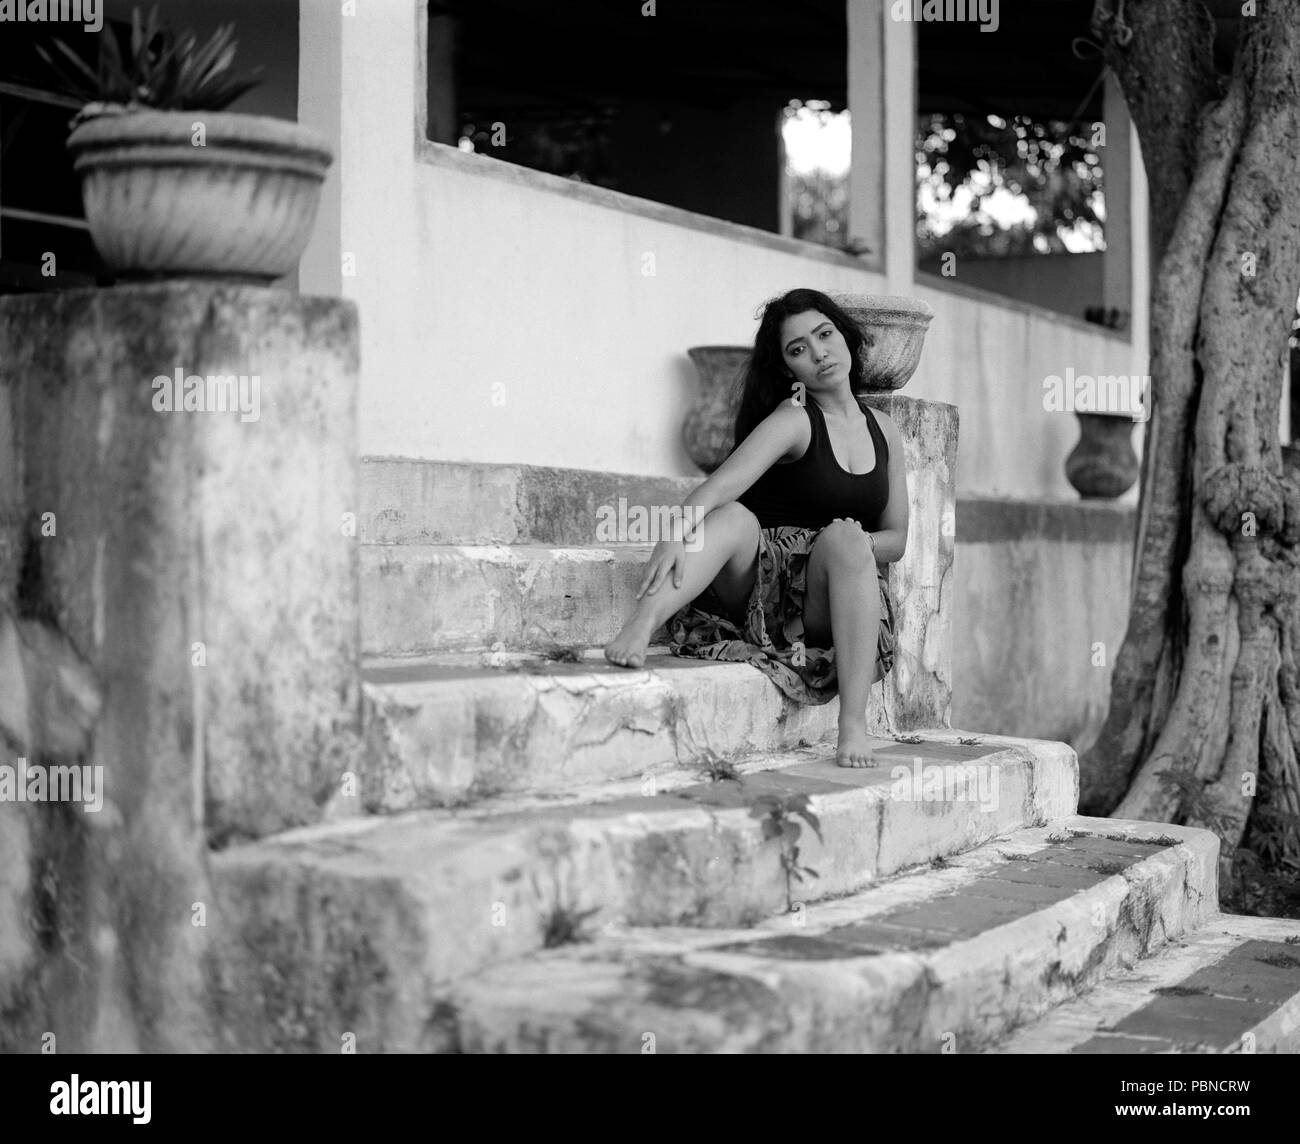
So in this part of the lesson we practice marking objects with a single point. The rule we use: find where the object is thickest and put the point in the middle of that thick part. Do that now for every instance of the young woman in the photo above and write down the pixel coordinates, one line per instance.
(793, 531)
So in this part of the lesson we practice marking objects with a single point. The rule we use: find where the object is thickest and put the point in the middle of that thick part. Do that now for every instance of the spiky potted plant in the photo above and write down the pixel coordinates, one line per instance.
(172, 184)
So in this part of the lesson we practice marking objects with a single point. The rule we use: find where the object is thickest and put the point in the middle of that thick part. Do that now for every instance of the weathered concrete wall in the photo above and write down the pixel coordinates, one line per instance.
(1041, 608)
(203, 564)
(990, 357)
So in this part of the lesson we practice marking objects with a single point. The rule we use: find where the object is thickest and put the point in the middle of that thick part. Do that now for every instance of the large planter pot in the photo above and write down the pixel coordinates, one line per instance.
(893, 330)
(1103, 464)
(709, 429)
(240, 206)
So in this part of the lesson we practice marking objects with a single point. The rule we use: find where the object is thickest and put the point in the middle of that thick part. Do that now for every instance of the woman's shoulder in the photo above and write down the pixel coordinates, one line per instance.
(886, 423)
(789, 424)
(790, 412)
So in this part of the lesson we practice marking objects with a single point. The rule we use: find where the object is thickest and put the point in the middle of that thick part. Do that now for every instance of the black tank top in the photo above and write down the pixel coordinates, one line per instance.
(814, 490)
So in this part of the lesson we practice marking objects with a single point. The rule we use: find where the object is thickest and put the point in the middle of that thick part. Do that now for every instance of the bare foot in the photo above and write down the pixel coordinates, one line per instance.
(627, 649)
(852, 749)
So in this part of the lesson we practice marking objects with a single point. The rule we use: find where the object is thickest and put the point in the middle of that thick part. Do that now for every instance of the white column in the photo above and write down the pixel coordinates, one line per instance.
(899, 37)
(1116, 160)
(320, 105)
(1140, 267)
(866, 98)
(1140, 273)
(1127, 270)
(372, 97)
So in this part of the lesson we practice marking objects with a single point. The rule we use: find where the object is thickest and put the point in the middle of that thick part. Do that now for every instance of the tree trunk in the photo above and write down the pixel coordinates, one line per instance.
(1206, 690)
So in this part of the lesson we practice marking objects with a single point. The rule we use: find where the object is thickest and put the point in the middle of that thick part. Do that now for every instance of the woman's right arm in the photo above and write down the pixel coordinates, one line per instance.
(785, 432)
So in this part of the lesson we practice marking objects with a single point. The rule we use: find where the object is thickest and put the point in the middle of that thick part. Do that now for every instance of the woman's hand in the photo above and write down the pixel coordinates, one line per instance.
(666, 558)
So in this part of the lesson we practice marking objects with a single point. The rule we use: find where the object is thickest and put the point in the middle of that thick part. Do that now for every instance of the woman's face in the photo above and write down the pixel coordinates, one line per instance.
(815, 351)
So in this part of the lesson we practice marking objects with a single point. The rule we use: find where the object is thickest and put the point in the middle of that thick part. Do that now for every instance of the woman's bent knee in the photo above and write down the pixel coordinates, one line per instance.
(844, 542)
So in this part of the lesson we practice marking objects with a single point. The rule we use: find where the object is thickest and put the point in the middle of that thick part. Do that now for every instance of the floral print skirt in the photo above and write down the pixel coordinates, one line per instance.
(771, 634)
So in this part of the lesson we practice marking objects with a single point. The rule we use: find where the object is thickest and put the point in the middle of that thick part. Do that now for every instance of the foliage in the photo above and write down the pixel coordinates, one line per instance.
(1273, 831)
(1053, 165)
(159, 69)
(1264, 876)
(566, 926)
(718, 769)
(819, 203)
(1259, 889)
(1194, 800)
(778, 816)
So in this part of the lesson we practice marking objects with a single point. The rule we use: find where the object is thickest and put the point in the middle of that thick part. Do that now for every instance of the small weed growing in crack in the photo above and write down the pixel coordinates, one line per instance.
(1180, 991)
(778, 815)
(1159, 840)
(939, 862)
(1280, 960)
(969, 741)
(718, 769)
(559, 654)
(908, 739)
(1109, 868)
(566, 926)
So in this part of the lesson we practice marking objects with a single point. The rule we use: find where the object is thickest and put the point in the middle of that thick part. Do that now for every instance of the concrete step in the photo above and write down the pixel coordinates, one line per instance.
(418, 599)
(463, 726)
(424, 601)
(1231, 987)
(944, 960)
(406, 501)
(371, 919)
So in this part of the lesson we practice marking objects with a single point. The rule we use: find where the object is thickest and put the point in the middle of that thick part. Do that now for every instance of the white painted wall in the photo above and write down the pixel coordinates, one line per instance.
(478, 280)
(552, 300)
(990, 359)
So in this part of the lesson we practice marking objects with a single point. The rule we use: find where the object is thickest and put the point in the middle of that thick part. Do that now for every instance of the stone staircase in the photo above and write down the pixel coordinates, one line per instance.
(546, 853)
(387, 795)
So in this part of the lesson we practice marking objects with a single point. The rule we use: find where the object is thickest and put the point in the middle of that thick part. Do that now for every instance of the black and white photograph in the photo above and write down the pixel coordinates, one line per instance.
(636, 527)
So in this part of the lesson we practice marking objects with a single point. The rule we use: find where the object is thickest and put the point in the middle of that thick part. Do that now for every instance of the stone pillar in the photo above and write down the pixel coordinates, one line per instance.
(918, 692)
(202, 559)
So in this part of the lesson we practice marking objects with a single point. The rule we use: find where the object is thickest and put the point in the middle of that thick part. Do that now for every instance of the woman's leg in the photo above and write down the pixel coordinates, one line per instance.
(726, 559)
(842, 607)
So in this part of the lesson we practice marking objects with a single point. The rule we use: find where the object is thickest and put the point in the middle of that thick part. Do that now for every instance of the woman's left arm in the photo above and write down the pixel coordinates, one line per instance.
(891, 538)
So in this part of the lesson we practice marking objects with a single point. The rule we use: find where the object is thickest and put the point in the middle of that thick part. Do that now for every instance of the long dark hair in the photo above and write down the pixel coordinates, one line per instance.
(764, 383)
